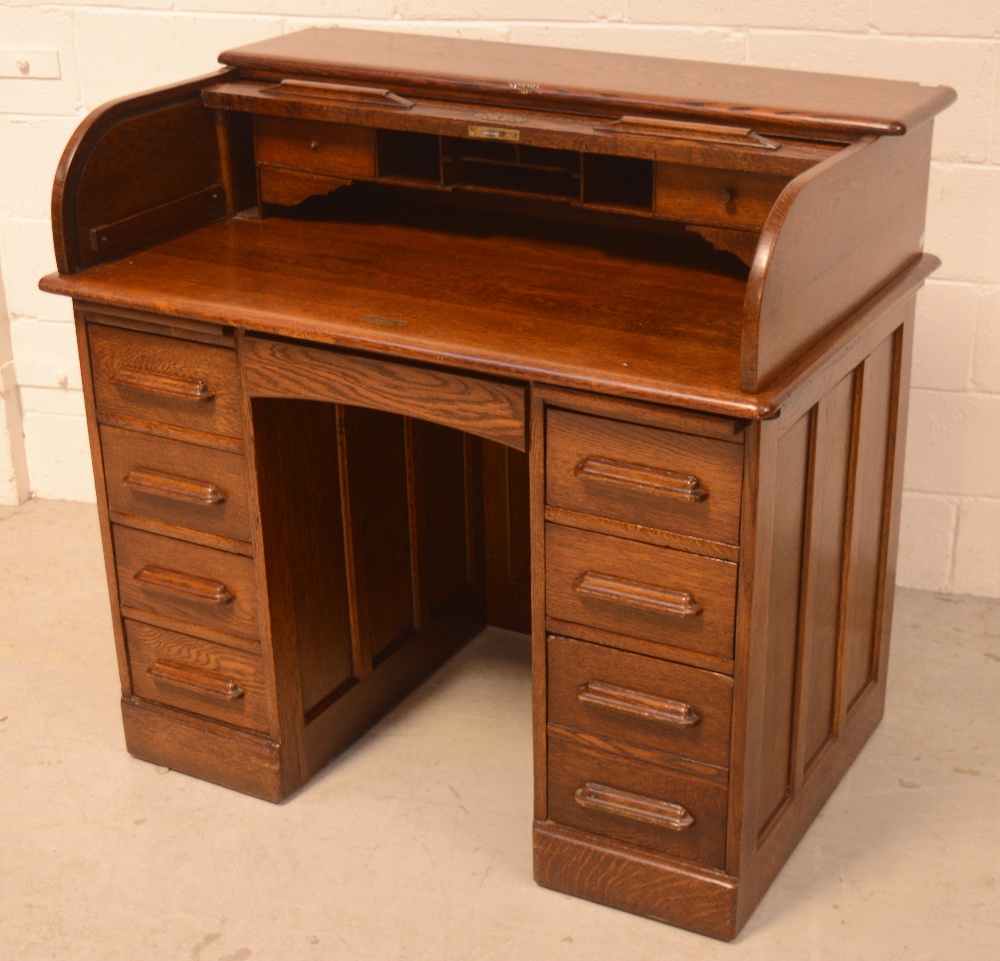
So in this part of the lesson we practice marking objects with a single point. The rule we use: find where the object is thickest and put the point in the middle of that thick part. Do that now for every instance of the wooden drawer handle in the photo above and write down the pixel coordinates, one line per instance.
(149, 481)
(350, 93)
(637, 807)
(691, 130)
(605, 587)
(635, 475)
(196, 679)
(153, 383)
(189, 585)
(649, 706)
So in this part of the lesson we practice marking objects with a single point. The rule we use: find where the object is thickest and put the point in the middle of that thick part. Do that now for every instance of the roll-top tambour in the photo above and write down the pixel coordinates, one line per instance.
(185, 485)
(187, 582)
(641, 700)
(654, 593)
(644, 475)
(164, 380)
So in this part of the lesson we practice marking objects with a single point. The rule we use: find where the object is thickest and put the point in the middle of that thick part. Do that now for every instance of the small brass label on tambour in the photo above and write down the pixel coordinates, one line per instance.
(523, 87)
(383, 321)
(481, 132)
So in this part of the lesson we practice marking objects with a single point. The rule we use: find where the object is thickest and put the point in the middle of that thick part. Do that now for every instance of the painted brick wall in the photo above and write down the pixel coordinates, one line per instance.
(951, 519)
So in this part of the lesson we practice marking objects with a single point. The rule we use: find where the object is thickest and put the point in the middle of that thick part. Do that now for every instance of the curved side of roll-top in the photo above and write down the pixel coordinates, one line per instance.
(137, 171)
(837, 234)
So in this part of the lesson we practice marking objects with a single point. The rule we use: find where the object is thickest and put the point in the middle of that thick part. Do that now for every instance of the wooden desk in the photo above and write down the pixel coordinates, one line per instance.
(385, 338)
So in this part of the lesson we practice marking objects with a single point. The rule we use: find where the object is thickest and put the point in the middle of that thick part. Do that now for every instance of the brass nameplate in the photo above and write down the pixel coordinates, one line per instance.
(383, 321)
(481, 132)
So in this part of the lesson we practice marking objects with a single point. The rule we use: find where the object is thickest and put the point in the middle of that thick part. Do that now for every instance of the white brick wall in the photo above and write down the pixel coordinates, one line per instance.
(950, 532)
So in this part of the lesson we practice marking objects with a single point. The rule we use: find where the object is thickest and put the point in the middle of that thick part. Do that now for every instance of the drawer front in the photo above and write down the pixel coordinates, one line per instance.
(644, 475)
(336, 149)
(210, 679)
(182, 484)
(195, 584)
(176, 382)
(722, 198)
(641, 700)
(631, 800)
(661, 595)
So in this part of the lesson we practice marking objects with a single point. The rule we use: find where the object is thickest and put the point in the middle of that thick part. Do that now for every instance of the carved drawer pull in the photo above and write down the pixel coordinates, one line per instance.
(196, 679)
(610, 800)
(649, 706)
(691, 130)
(606, 587)
(153, 383)
(635, 475)
(188, 585)
(202, 493)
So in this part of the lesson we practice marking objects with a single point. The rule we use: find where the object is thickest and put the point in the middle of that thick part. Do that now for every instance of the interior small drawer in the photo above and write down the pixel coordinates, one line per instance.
(161, 379)
(633, 800)
(214, 680)
(721, 198)
(661, 595)
(335, 149)
(176, 579)
(644, 475)
(186, 485)
(656, 704)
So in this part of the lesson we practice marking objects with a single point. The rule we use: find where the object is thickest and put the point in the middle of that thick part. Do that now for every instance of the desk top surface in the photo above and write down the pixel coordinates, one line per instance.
(606, 83)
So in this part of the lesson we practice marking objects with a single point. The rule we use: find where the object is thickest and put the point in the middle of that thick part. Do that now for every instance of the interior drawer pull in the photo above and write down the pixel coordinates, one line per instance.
(188, 585)
(635, 475)
(147, 380)
(351, 93)
(649, 706)
(611, 800)
(196, 679)
(606, 587)
(691, 130)
(149, 481)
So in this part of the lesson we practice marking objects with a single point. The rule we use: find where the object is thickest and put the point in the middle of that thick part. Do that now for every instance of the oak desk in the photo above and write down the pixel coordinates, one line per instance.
(385, 338)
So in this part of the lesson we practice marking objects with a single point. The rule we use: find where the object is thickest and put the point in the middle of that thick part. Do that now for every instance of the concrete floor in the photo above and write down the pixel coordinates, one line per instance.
(416, 842)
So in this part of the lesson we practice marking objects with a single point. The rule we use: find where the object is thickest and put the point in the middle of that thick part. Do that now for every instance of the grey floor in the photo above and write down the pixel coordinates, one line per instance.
(415, 844)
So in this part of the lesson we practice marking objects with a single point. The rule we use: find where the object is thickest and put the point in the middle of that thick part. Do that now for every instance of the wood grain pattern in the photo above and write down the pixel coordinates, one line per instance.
(585, 685)
(487, 408)
(197, 675)
(571, 554)
(163, 379)
(715, 198)
(337, 150)
(186, 581)
(180, 484)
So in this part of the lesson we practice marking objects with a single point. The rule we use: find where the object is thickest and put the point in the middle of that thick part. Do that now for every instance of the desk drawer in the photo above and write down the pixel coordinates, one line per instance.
(619, 796)
(644, 475)
(335, 149)
(186, 485)
(671, 597)
(656, 704)
(176, 382)
(196, 584)
(195, 675)
(721, 198)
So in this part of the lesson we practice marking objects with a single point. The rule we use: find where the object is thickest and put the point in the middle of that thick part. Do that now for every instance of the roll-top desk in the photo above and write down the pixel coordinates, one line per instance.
(385, 338)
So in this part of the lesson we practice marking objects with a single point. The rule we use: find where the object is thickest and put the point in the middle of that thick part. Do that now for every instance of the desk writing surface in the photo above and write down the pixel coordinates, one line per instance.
(586, 305)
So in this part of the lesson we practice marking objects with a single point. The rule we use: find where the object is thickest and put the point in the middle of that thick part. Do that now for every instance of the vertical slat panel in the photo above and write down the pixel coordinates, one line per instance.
(783, 621)
(831, 450)
(296, 443)
(380, 525)
(866, 524)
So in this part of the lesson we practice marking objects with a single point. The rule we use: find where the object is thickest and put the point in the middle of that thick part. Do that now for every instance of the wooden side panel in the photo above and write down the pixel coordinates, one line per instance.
(778, 721)
(297, 479)
(838, 233)
(831, 449)
(380, 526)
(508, 546)
(861, 590)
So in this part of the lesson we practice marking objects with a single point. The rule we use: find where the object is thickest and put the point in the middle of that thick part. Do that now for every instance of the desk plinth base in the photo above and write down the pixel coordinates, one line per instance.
(628, 878)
